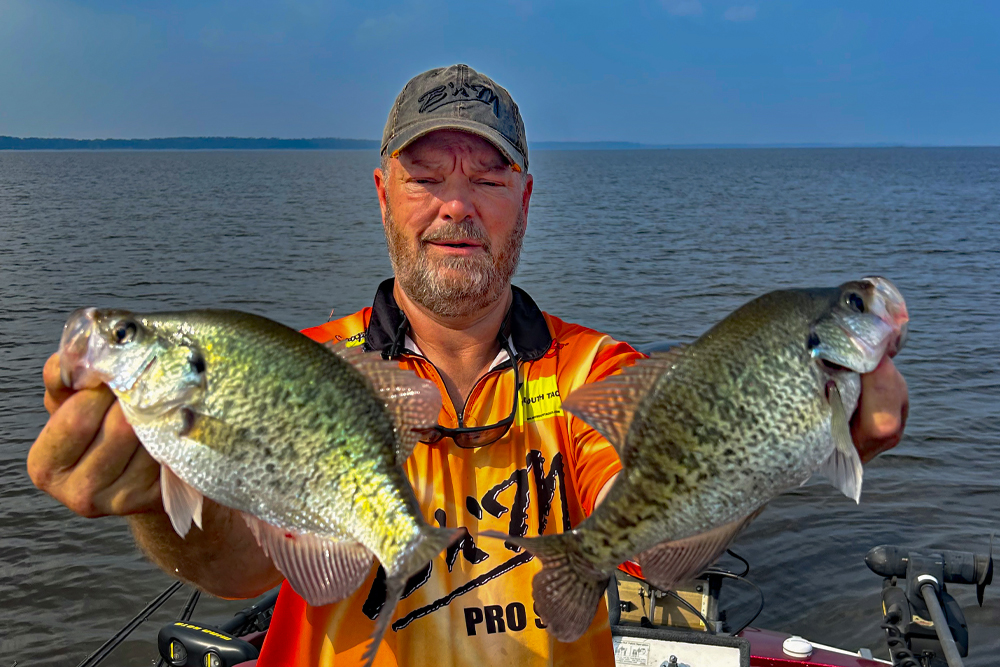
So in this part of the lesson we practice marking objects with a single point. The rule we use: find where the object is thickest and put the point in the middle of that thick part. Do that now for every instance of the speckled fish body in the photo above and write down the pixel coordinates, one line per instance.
(709, 433)
(306, 443)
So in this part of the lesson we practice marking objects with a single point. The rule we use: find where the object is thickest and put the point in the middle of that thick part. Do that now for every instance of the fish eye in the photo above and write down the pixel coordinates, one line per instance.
(197, 362)
(124, 332)
(855, 301)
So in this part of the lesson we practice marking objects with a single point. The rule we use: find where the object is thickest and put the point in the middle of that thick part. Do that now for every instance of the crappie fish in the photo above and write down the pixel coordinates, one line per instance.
(306, 443)
(709, 432)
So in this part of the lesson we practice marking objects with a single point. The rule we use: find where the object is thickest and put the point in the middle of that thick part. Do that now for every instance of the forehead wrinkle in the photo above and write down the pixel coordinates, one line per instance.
(478, 153)
(428, 163)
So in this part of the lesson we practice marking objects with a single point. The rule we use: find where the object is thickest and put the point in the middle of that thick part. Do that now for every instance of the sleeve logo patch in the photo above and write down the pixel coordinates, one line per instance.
(540, 399)
(356, 340)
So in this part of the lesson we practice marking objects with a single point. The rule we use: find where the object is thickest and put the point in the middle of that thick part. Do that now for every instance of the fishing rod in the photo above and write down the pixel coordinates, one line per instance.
(105, 649)
(184, 617)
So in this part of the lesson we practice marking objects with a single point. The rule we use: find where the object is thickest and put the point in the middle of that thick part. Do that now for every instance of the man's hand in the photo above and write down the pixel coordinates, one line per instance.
(877, 424)
(87, 457)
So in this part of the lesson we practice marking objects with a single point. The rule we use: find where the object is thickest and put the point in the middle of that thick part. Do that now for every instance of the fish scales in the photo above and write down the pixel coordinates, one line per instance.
(753, 402)
(709, 433)
(304, 442)
(324, 458)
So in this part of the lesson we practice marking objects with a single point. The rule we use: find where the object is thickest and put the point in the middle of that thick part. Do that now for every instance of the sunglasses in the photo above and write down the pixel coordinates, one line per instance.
(471, 437)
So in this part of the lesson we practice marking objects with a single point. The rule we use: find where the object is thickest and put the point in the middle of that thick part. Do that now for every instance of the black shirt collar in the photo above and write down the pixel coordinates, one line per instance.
(524, 323)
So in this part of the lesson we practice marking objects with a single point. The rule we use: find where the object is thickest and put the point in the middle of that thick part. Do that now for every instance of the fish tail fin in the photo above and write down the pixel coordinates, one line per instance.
(568, 588)
(429, 543)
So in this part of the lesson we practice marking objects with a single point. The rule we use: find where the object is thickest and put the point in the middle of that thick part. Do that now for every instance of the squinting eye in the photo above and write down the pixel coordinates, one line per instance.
(856, 302)
(124, 332)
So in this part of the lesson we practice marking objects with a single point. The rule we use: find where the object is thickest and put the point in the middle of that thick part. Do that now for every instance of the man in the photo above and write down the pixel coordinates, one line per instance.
(454, 192)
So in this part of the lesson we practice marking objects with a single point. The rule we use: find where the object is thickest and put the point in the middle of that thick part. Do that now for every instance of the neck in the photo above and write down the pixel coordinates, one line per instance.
(462, 347)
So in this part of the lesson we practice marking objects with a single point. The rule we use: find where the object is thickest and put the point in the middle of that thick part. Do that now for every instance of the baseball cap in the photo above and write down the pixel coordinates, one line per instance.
(456, 98)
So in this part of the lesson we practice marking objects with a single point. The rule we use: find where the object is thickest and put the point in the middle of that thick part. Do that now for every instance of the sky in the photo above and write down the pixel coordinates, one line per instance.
(647, 71)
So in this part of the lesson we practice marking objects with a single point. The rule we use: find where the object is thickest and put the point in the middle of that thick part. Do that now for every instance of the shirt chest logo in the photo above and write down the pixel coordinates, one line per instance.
(540, 399)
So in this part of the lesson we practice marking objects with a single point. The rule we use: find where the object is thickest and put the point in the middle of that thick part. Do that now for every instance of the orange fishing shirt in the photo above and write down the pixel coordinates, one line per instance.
(472, 606)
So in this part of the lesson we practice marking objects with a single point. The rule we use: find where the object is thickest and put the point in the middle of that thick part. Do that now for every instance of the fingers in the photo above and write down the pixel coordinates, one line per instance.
(113, 448)
(69, 432)
(88, 458)
(137, 488)
(56, 392)
(878, 423)
(101, 482)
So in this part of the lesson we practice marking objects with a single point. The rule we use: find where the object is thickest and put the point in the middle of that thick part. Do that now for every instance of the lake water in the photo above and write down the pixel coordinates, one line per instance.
(646, 245)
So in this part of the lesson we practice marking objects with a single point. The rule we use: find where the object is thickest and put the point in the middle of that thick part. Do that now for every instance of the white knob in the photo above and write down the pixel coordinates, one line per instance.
(797, 647)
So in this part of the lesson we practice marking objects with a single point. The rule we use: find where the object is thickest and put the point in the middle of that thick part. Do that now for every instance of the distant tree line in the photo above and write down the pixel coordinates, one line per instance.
(183, 143)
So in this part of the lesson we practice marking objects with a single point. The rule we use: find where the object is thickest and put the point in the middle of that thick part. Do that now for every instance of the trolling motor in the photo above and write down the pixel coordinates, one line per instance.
(187, 644)
(924, 625)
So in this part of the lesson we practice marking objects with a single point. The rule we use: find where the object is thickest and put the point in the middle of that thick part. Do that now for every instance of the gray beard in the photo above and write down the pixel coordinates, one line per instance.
(480, 281)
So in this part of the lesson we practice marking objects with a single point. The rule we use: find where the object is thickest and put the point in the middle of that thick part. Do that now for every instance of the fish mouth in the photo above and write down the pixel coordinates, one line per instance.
(889, 305)
(73, 347)
(834, 367)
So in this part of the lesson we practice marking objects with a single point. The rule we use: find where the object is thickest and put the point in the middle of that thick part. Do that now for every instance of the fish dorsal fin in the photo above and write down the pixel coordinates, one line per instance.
(321, 571)
(609, 405)
(843, 466)
(670, 563)
(182, 501)
(413, 402)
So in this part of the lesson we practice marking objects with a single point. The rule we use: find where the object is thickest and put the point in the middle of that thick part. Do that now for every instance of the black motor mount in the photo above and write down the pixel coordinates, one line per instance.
(913, 638)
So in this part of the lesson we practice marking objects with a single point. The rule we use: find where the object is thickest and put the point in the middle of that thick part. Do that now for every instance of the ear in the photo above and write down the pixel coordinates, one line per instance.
(380, 186)
(529, 183)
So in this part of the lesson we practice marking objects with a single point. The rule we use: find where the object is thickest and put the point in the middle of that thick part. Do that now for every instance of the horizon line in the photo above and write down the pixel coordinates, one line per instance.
(337, 143)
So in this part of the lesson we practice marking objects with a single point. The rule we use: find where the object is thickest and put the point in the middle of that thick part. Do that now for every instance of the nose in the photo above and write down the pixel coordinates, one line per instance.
(74, 342)
(457, 204)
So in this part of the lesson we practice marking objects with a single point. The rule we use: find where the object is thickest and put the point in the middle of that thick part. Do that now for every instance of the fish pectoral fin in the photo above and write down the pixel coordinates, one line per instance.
(413, 402)
(609, 405)
(670, 563)
(182, 501)
(843, 466)
(321, 571)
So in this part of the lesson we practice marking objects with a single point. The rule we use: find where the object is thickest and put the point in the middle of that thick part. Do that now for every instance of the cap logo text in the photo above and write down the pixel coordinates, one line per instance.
(436, 98)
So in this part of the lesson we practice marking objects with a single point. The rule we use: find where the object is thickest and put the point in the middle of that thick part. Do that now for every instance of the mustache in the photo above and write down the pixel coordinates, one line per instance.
(457, 232)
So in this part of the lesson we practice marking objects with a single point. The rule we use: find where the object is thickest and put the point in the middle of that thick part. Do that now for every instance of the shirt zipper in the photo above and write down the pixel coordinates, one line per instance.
(460, 415)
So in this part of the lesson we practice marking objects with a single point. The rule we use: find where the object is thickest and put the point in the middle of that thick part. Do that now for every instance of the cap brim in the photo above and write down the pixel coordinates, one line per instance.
(411, 133)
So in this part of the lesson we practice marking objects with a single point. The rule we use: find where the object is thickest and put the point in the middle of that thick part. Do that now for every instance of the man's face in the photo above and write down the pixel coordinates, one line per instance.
(454, 214)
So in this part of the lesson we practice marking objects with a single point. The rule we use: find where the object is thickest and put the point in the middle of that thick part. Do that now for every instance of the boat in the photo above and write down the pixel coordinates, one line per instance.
(684, 627)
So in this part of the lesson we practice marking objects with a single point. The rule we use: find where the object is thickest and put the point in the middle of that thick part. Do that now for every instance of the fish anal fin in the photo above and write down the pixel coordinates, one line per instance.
(567, 589)
(182, 502)
(843, 466)
(413, 402)
(609, 404)
(321, 571)
(670, 563)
